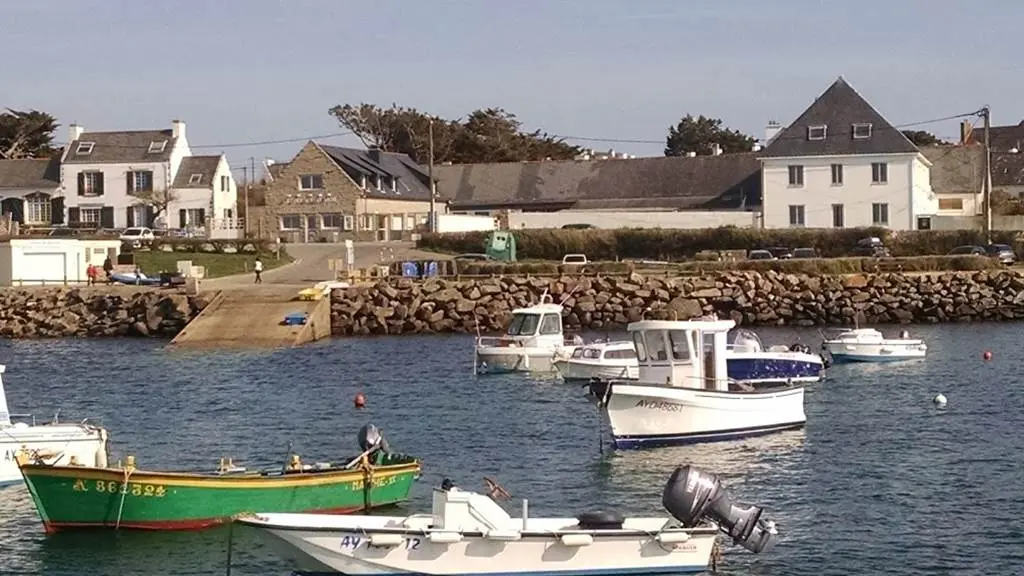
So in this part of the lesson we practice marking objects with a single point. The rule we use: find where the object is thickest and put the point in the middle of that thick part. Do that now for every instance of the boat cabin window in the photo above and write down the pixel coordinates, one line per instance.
(625, 354)
(551, 324)
(641, 348)
(523, 325)
(657, 350)
(591, 353)
(577, 353)
(680, 344)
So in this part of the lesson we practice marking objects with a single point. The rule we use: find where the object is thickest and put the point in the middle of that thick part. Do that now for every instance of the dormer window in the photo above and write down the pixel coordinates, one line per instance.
(157, 147)
(861, 131)
(817, 132)
(85, 148)
(376, 182)
(195, 179)
(362, 181)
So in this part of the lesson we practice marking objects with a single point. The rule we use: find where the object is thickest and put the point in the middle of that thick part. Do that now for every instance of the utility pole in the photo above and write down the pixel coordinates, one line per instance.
(245, 223)
(986, 114)
(431, 225)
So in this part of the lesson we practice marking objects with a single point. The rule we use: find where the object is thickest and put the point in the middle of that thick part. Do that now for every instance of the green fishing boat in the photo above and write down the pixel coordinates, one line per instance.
(125, 497)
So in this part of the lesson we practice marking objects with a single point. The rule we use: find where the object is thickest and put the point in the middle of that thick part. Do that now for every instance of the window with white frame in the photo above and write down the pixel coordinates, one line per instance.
(349, 222)
(796, 175)
(311, 182)
(333, 221)
(879, 172)
(195, 217)
(37, 208)
(796, 215)
(861, 131)
(195, 179)
(880, 214)
(90, 183)
(838, 217)
(157, 146)
(140, 181)
(291, 221)
(837, 174)
(90, 215)
(225, 183)
(85, 148)
(817, 132)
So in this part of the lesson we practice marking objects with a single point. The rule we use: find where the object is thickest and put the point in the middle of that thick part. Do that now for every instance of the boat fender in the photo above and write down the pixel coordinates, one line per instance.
(445, 537)
(577, 539)
(673, 537)
(600, 520)
(503, 535)
(386, 540)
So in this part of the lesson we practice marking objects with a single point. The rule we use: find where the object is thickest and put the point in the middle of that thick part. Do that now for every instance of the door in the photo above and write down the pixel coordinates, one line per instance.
(37, 267)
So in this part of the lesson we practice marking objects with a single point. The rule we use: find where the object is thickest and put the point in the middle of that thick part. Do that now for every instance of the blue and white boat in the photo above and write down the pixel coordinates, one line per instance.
(748, 361)
(870, 345)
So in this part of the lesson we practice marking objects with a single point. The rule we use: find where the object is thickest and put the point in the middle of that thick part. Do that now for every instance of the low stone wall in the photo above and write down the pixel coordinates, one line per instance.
(66, 312)
(402, 305)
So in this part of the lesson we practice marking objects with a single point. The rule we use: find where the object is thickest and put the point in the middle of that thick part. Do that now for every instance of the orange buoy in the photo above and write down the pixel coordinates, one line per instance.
(360, 400)
(987, 355)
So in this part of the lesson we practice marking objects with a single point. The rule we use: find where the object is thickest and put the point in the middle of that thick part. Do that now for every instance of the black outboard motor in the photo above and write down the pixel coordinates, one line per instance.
(692, 495)
(371, 437)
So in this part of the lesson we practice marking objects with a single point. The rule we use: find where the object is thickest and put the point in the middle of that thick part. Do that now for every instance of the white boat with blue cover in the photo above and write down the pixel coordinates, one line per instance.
(870, 345)
(469, 533)
(684, 393)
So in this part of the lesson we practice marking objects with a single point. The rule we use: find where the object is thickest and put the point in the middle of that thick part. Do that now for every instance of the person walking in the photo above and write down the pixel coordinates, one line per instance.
(108, 267)
(258, 268)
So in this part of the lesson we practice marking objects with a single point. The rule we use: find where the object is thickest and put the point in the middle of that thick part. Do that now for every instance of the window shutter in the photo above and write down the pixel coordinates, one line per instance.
(202, 217)
(57, 210)
(150, 215)
(129, 184)
(130, 213)
(107, 217)
(101, 177)
(18, 210)
(181, 218)
(74, 216)
(81, 183)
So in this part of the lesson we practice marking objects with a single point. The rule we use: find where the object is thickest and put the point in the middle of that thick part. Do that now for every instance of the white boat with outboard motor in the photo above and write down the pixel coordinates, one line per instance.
(66, 444)
(533, 342)
(870, 345)
(470, 533)
(684, 393)
(606, 360)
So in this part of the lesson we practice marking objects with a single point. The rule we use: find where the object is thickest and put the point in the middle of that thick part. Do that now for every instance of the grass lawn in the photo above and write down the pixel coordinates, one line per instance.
(217, 265)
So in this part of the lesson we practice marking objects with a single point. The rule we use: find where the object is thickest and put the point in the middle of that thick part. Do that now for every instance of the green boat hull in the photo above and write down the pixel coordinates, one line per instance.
(76, 497)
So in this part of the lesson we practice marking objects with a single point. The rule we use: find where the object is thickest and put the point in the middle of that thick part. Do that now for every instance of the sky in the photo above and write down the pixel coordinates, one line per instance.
(246, 75)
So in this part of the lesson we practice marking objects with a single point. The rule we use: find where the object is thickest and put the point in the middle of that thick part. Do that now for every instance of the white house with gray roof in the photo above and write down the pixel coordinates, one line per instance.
(30, 191)
(143, 178)
(841, 164)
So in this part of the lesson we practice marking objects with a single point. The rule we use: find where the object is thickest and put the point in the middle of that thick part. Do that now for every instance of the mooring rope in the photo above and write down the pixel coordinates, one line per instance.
(124, 494)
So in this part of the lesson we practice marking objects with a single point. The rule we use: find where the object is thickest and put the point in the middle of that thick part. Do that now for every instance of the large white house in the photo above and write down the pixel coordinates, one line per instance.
(841, 164)
(144, 178)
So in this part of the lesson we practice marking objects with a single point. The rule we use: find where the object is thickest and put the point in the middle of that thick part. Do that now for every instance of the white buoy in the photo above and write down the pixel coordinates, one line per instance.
(939, 400)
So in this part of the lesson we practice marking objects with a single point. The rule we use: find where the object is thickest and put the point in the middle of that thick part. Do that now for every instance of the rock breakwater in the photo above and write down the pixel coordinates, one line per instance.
(406, 306)
(102, 311)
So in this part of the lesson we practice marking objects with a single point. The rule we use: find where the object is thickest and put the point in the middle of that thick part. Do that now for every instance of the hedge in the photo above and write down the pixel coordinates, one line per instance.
(204, 245)
(822, 266)
(677, 245)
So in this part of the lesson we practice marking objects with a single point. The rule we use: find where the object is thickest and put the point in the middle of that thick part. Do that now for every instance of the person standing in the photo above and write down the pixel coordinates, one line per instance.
(108, 267)
(258, 268)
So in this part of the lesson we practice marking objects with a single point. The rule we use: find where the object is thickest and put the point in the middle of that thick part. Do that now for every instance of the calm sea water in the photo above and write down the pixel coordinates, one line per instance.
(879, 482)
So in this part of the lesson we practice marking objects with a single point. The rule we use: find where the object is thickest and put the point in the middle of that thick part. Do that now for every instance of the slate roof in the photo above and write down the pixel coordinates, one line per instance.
(956, 169)
(1001, 138)
(728, 181)
(412, 180)
(206, 166)
(34, 173)
(121, 147)
(275, 169)
(1007, 169)
(839, 108)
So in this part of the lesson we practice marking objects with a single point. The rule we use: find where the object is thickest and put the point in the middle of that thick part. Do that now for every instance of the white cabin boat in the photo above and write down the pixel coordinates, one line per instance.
(65, 444)
(604, 360)
(533, 342)
(870, 345)
(684, 393)
(469, 533)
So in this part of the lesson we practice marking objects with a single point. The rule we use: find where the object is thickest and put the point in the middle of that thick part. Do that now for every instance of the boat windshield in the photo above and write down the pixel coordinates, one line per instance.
(577, 353)
(623, 354)
(591, 353)
(523, 324)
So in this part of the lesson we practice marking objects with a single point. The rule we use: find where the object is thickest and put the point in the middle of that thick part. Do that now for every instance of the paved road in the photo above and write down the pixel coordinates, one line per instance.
(310, 264)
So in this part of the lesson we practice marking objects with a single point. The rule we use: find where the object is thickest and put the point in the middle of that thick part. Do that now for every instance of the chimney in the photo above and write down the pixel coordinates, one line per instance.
(375, 154)
(74, 132)
(966, 130)
(178, 129)
(771, 131)
(716, 149)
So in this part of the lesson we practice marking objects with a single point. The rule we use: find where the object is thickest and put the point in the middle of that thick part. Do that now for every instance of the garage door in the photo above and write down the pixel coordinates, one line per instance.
(36, 266)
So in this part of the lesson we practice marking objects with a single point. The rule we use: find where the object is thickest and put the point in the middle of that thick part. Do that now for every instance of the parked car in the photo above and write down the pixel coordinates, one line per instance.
(872, 247)
(474, 257)
(1002, 252)
(137, 235)
(967, 250)
(805, 253)
(64, 232)
(574, 259)
(781, 252)
(760, 255)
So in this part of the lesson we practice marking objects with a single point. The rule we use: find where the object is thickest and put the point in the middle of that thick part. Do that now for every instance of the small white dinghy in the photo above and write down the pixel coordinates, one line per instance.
(870, 345)
(65, 444)
(604, 360)
(469, 533)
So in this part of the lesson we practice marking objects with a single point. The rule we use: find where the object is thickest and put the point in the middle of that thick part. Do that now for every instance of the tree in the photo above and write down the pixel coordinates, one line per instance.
(923, 138)
(26, 134)
(160, 200)
(701, 133)
(486, 135)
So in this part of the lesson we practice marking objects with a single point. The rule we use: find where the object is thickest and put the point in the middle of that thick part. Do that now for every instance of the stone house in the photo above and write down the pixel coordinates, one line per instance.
(330, 194)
